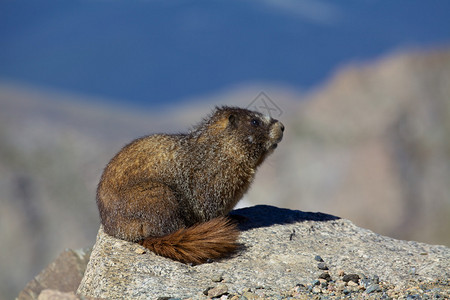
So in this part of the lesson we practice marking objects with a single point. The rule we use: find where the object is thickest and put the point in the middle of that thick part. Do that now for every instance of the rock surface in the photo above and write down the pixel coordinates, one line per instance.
(60, 279)
(278, 253)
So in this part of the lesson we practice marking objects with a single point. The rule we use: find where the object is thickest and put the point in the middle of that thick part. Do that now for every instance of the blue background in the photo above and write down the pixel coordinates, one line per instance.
(154, 53)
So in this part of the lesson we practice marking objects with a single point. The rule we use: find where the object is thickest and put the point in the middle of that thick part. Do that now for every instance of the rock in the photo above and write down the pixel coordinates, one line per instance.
(322, 266)
(249, 296)
(373, 288)
(56, 295)
(353, 287)
(218, 291)
(217, 277)
(318, 258)
(366, 282)
(325, 276)
(351, 277)
(60, 278)
(115, 270)
(352, 283)
(340, 285)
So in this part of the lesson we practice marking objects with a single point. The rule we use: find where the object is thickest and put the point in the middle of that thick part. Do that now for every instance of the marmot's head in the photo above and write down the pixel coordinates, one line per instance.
(249, 134)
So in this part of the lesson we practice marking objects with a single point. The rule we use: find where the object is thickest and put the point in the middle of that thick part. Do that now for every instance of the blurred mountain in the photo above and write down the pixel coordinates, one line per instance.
(53, 148)
(372, 144)
(153, 53)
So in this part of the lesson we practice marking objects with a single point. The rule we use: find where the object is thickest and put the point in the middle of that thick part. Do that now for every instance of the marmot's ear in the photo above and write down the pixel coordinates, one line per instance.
(232, 120)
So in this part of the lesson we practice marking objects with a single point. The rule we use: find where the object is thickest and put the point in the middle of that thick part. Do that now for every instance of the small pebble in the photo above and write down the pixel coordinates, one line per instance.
(139, 251)
(351, 277)
(218, 291)
(249, 296)
(352, 283)
(318, 258)
(322, 266)
(353, 288)
(376, 279)
(366, 282)
(340, 285)
(373, 288)
(205, 292)
(217, 277)
(316, 282)
(325, 275)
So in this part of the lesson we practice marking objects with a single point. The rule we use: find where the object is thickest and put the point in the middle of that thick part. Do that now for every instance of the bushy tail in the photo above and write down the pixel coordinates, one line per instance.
(214, 239)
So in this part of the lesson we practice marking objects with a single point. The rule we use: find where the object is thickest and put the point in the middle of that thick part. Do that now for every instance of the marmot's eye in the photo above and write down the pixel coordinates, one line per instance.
(256, 122)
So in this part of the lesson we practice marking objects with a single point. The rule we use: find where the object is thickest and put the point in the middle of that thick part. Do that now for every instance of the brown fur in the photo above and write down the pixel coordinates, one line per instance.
(197, 244)
(171, 193)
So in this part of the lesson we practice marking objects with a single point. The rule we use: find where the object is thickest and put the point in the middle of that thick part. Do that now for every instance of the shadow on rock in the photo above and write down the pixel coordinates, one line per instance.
(266, 215)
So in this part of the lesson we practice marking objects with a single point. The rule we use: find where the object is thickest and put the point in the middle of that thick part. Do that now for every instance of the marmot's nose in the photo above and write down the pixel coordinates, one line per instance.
(281, 126)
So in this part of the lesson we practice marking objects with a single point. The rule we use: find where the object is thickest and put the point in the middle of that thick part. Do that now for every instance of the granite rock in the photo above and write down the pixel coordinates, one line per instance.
(60, 279)
(278, 252)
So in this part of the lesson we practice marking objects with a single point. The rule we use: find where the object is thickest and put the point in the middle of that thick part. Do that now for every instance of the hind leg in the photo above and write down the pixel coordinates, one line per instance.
(143, 210)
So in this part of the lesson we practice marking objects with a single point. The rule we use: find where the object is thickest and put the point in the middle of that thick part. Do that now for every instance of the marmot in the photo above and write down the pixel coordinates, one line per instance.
(171, 192)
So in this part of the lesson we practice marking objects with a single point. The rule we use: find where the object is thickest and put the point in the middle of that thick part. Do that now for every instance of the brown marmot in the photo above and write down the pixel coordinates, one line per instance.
(171, 192)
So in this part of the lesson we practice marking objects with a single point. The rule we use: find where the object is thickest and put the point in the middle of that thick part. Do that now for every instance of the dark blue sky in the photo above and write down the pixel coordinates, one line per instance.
(151, 53)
